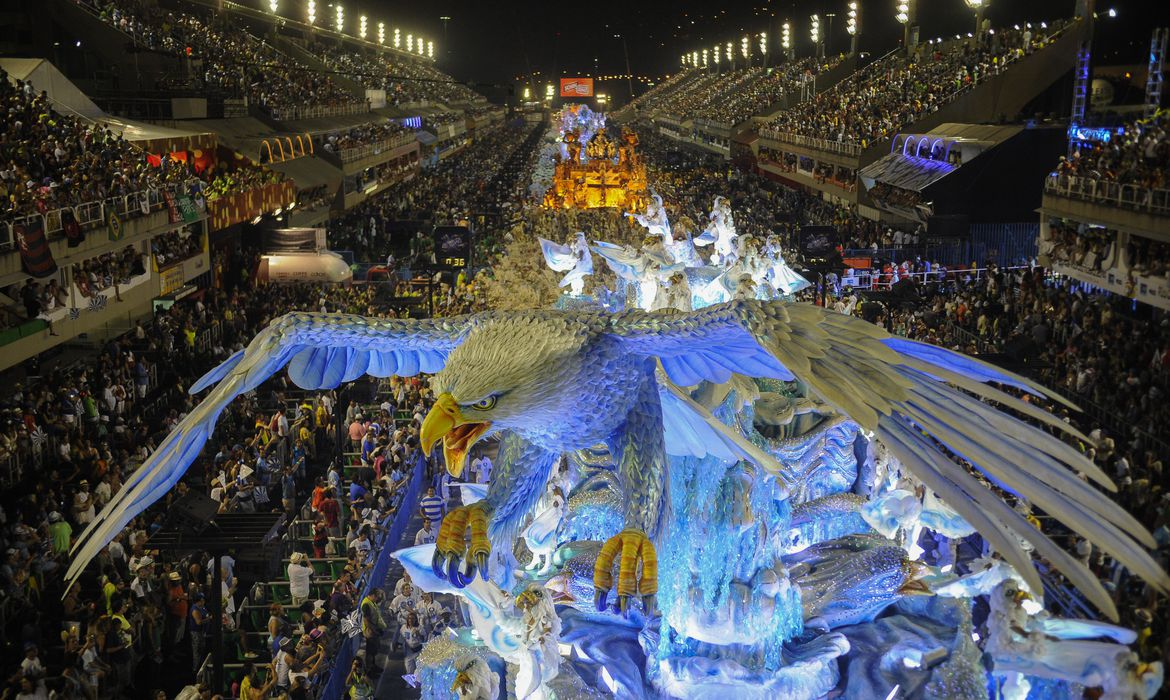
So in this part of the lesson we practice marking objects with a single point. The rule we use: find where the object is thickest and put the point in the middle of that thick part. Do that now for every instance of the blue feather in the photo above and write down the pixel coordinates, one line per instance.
(219, 372)
(956, 362)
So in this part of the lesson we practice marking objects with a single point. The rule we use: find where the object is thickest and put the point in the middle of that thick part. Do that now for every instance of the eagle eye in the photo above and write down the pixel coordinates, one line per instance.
(485, 404)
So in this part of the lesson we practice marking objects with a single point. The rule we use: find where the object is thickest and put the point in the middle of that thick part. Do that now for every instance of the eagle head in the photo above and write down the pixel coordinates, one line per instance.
(516, 372)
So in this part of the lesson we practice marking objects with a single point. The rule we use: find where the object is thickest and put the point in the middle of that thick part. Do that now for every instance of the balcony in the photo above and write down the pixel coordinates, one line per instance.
(141, 215)
(1141, 210)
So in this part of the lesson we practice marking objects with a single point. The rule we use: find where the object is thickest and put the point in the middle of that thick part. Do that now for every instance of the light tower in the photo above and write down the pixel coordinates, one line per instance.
(853, 26)
(764, 48)
(339, 20)
(907, 15)
(718, 51)
(977, 6)
(397, 38)
(745, 50)
(362, 27)
(814, 33)
(311, 11)
(730, 55)
(381, 33)
(786, 39)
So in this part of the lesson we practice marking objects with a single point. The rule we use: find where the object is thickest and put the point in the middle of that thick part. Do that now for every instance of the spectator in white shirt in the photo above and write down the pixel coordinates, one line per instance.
(300, 575)
(426, 535)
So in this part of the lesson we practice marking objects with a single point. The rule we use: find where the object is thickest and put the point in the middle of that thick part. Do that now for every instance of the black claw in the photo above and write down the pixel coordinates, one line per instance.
(599, 596)
(457, 577)
(438, 565)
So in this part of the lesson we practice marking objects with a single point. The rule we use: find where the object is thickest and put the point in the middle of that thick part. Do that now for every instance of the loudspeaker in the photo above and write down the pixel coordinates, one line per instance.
(193, 511)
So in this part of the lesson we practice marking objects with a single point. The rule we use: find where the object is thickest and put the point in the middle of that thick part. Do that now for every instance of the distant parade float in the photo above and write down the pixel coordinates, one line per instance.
(592, 170)
(706, 490)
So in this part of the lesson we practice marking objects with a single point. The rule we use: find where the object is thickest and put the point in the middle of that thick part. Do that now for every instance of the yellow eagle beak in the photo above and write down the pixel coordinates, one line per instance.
(446, 422)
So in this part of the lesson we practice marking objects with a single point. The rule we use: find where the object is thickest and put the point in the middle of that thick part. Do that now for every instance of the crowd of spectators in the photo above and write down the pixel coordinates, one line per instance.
(222, 57)
(482, 180)
(175, 246)
(372, 133)
(70, 435)
(50, 160)
(106, 271)
(881, 99)
(1138, 154)
(241, 175)
(733, 96)
(405, 80)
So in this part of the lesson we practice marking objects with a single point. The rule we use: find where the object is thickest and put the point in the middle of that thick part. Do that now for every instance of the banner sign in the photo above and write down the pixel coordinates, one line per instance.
(35, 256)
(172, 210)
(187, 208)
(576, 87)
(114, 226)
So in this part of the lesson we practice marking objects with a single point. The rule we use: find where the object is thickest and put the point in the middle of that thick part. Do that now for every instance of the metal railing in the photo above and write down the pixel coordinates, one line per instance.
(286, 114)
(842, 147)
(91, 214)
(872, 279)
(349, 155)
(1124, 196)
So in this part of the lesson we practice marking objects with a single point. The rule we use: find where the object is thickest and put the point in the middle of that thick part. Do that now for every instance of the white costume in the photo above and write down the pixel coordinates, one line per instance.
(573, 259)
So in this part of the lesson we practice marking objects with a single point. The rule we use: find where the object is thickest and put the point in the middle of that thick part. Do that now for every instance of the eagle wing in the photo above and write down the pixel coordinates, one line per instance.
(927, 405)
(321, 351)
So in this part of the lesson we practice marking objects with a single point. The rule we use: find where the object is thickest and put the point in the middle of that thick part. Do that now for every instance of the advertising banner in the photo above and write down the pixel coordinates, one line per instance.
(576, 87)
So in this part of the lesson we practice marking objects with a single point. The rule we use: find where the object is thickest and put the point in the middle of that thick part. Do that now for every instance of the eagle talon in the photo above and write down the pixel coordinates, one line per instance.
(451, 548)
(635, 548)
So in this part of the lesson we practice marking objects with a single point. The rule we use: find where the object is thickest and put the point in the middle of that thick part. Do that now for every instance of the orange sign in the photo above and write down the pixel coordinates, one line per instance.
(576, 87)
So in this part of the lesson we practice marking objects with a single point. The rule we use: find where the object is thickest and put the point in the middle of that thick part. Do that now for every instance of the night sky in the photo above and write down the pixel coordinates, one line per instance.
(496, 43)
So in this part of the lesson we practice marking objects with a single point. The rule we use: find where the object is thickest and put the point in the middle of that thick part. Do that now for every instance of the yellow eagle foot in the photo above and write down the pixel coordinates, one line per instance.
(451, 547)
(635, 548)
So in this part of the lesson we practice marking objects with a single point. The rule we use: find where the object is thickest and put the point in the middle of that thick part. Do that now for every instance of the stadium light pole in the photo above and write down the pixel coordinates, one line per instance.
(629, 73)
(730, 56)
(764, 48)
(311, 11)
(718, 52)
(828, 38)
(853, 26)
(381, 33)
(907, 15)
(745, 49)
(786, 39)
(362, 27)
(814, 33)
(978, 6)
(397, 38)
(340, 19)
